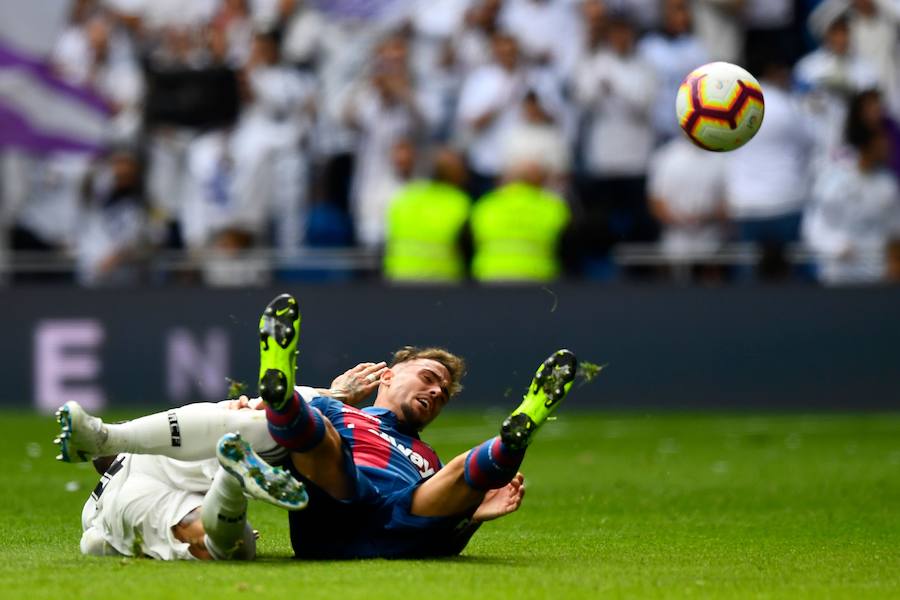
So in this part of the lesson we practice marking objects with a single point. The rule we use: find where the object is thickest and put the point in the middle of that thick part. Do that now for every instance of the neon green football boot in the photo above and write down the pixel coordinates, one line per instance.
(279, 333)
(550, 385)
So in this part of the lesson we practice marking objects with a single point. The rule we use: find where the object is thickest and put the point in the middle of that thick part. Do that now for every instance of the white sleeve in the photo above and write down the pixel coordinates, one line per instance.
(655, 172)
(638, 89)
(864, 75)
(584, 83)
(362, 106)
(824, 218)
(648, 48)
(478, 96)
(889, 8)
(125, 84)
(306, 392)
(429, 106)
(805, 126)
(808, 71)
(303, 36)
(192, 212)
(267, 90)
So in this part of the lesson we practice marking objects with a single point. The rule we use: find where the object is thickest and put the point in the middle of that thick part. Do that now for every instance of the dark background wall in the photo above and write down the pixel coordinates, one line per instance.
(739, 347)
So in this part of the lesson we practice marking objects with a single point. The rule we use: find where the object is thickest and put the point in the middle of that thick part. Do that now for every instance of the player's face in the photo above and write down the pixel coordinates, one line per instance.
(419, 390)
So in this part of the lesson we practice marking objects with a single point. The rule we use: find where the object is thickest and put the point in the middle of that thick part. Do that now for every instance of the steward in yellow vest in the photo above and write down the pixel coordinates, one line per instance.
(516, 232)
(425, 224)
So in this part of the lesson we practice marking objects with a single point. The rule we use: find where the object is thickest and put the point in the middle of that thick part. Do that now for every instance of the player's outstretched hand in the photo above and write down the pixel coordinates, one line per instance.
(354, 385)
(502, 501)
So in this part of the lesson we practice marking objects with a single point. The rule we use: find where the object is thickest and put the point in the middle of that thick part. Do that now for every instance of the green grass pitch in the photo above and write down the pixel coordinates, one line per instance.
(658, 505)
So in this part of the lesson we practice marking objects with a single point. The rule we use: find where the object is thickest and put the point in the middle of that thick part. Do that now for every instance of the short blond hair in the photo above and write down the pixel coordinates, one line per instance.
(455, 365)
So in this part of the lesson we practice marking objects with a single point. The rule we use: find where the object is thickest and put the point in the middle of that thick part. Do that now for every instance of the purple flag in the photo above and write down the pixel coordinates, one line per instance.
(40, 112)
(357, 9)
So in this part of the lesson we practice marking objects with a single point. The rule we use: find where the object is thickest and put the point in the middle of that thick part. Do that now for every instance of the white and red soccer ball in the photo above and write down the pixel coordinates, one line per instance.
(720, 106)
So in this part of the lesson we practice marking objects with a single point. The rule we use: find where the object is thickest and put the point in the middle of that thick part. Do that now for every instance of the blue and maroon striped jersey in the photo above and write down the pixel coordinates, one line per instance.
(391, 456)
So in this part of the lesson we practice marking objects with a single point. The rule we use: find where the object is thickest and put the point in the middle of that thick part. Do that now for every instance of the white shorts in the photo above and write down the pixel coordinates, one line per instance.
(140, 499)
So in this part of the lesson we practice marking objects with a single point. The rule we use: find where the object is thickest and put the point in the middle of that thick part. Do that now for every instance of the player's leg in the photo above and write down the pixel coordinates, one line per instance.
(315, 445)
(463, 482)
(222, 530)
(186, 433)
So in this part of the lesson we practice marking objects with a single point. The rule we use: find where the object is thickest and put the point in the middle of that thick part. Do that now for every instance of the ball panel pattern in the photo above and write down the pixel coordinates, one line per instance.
(718, 108)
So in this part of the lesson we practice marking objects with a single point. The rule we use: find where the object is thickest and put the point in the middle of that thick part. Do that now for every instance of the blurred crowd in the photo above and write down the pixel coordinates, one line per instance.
(499, 140)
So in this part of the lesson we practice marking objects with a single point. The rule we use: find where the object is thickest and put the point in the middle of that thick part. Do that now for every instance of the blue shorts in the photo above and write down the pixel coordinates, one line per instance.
(372, 524)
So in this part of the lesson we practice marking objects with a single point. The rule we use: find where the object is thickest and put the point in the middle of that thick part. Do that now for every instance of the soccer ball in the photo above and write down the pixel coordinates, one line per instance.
(720, 106)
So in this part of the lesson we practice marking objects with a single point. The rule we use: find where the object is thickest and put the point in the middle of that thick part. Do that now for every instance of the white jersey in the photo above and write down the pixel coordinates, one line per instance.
(690, 182)
(850, 222)
(489, 88)
(140, 498)
(781, 150)
(827, 79)
(618, 92)
(671, 58)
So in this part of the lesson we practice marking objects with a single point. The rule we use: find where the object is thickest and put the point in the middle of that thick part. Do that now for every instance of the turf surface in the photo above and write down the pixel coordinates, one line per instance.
(617, 506)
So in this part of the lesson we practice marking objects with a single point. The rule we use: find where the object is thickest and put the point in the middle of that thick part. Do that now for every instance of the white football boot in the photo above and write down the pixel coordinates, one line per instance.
(259, 479)
(80, 436)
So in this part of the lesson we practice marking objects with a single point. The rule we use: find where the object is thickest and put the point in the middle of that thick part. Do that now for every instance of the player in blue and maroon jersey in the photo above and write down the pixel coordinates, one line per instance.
(375, 488)
(161, 473)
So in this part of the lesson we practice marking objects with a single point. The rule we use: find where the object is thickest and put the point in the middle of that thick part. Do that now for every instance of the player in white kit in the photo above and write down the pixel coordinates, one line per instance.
(146, 505)
(173, 487)
(160, 507)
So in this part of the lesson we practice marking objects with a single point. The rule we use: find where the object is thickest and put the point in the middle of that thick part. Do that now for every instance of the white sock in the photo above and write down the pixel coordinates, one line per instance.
(224, 516)
(190, 433)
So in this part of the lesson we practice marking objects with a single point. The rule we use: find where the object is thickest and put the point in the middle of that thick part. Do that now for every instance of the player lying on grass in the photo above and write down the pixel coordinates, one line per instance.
(375, 488)
(160, 507)
(156, 506)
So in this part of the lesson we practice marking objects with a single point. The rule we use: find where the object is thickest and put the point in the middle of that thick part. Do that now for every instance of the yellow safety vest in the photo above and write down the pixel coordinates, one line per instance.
(424, 223)
(516, 230)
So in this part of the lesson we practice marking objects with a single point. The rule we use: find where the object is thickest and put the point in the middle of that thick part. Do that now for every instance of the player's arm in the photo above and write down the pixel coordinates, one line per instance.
(501, 501)
(497, 503)
(355, 384)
